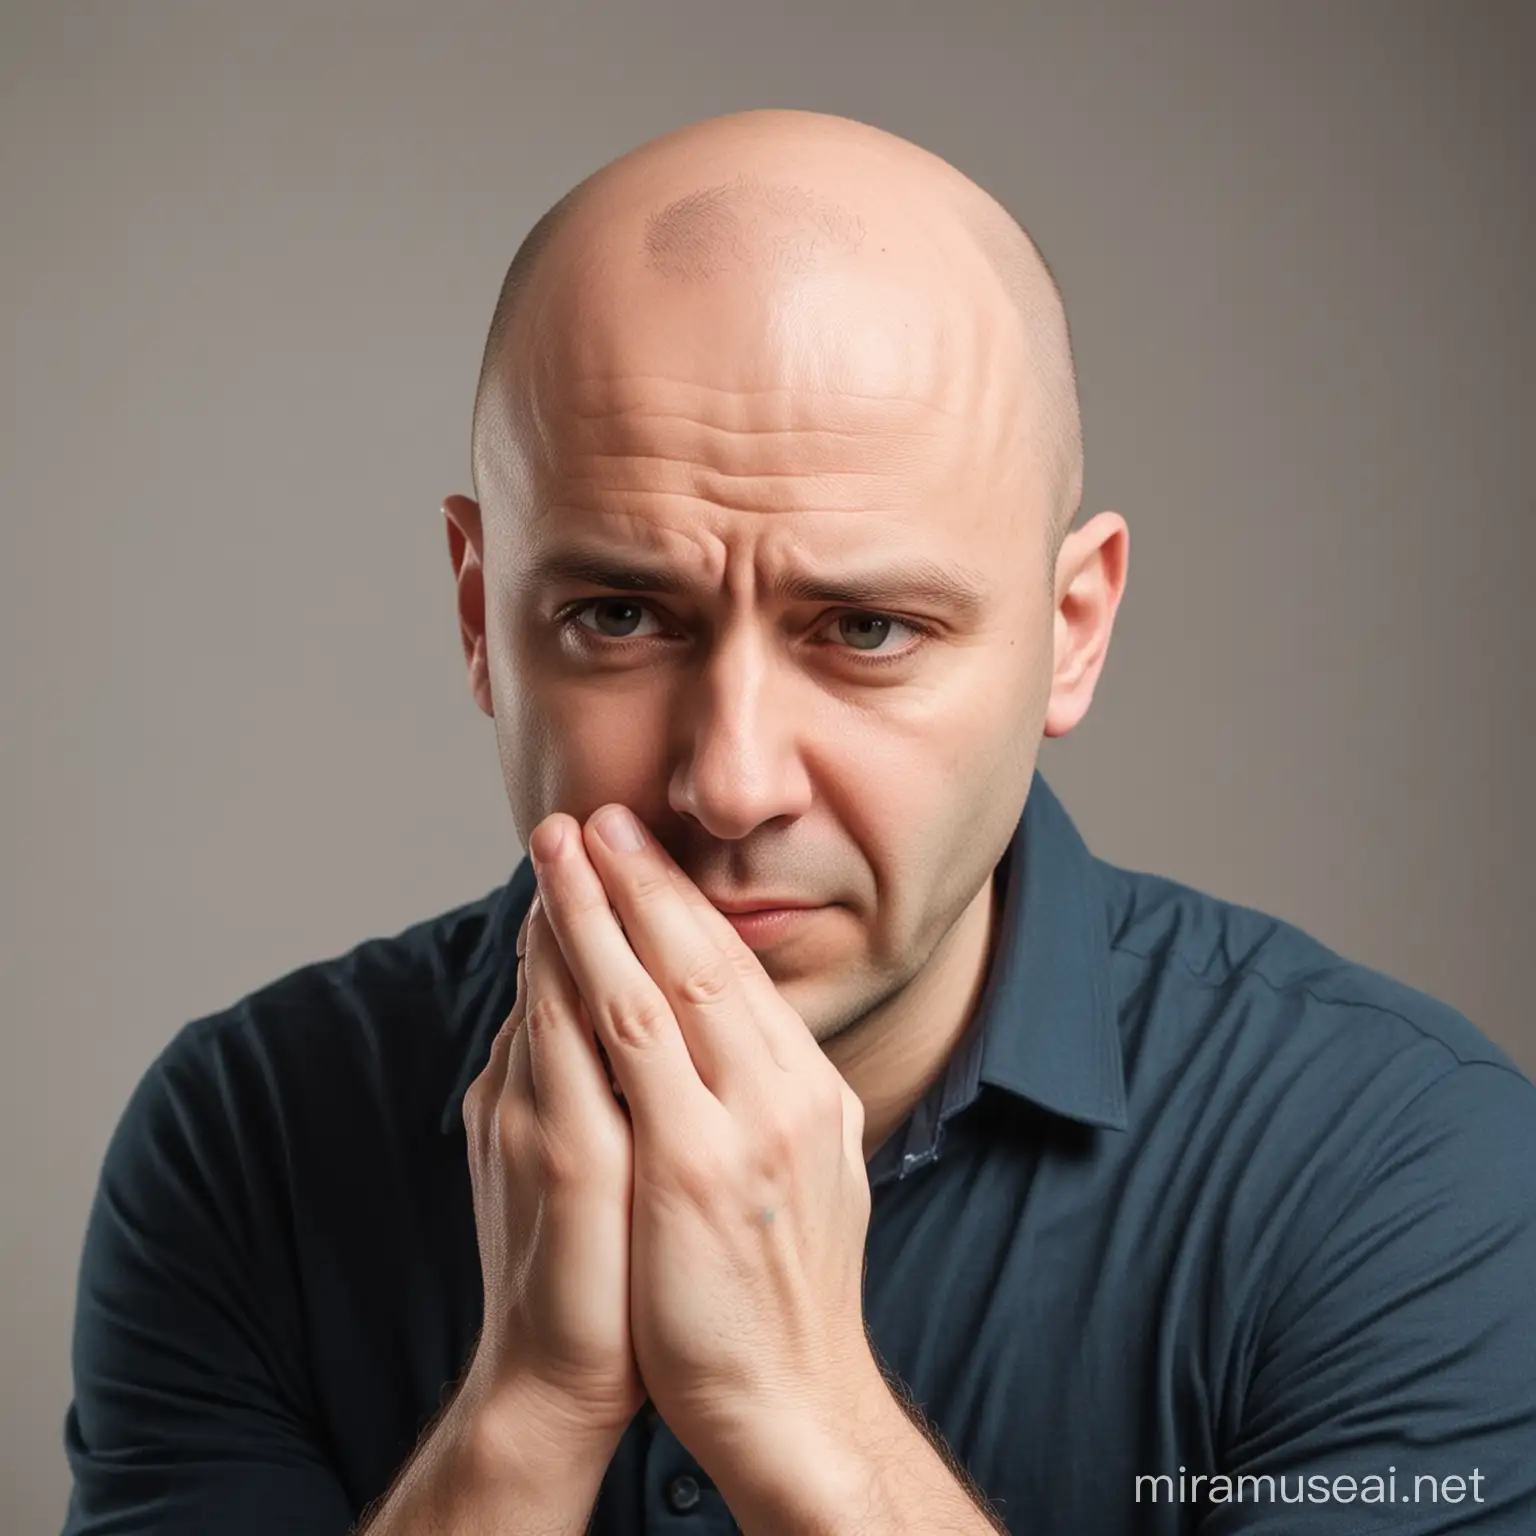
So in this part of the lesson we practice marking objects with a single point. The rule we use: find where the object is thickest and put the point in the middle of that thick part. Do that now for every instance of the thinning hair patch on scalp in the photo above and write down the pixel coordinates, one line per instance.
(749, 223)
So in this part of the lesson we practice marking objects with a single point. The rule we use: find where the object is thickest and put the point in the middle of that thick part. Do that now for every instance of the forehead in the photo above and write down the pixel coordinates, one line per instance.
(757, 446)
(761, 351)
(835, 374)
(667, 486)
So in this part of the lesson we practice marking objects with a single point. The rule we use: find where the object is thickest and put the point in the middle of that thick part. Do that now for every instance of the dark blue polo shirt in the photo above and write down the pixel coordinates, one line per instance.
(1194, 1198)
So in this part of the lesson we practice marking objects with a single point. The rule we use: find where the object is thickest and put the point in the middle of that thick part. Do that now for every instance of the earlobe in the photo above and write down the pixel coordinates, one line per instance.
(480, 680)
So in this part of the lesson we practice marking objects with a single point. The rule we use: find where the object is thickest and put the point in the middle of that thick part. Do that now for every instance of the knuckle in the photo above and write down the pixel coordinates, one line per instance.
(853, 1109)
(557, 1167)
(705, 981)
(633, 1019)
(779, 1139)
(470, 1110)
(829, 1097)
(542, 1015)
(694, 1177)
(651, 885)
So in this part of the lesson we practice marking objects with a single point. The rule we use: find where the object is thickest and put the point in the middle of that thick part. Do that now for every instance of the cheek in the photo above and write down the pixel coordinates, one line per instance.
(940, 792)
(935, 752)
(566, 745)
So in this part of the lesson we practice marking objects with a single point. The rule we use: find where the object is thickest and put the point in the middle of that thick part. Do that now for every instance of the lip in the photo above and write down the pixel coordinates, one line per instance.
(743, 904)
(768, 925)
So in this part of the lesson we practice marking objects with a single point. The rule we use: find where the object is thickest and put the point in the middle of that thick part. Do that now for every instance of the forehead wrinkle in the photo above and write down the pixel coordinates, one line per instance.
(732, 428)
(702, 490)
(606, 426)
(743, 396)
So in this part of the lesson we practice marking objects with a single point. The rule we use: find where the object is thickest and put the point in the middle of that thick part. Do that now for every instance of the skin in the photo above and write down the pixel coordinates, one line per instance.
(760, 761)
(814, 381)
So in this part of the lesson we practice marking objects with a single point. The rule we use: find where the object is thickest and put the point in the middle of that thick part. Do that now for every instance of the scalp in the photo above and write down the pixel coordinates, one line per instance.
(773, 197)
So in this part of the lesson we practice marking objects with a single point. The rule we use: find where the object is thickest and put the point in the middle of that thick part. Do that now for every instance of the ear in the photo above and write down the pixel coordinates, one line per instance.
(466, 551)
(1090, 581)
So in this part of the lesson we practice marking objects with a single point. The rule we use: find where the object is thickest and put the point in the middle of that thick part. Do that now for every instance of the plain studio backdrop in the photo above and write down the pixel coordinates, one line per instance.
(249, 255)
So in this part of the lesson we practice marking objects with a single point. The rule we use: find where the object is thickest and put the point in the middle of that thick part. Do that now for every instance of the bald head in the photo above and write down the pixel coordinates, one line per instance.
(769, 198)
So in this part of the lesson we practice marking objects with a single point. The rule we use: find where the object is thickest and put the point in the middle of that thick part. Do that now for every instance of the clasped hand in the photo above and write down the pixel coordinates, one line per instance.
(733, 1172)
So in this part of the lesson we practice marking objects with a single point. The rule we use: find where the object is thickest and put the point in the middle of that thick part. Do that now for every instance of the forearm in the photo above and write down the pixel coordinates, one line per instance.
(877, 1473)
(485, 1472)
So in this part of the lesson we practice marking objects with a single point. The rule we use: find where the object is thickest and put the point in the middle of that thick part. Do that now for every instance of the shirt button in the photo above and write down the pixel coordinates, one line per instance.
(682, 1493)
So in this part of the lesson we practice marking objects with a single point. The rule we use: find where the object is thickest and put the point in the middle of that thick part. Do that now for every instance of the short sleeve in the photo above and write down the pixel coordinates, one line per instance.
(1394, 1383)
(189, 1412)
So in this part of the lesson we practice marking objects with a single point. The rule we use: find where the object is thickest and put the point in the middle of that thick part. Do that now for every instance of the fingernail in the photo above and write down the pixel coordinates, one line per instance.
(620, 830)
(545, 841)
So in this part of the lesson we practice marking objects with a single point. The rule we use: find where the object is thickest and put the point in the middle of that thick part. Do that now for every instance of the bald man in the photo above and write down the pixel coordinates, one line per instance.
(812, 1135)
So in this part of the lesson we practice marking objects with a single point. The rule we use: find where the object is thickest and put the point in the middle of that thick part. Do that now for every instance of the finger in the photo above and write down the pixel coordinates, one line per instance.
(515, 1079)
(522, 932)
(484, 1094)
(487, 1088)
(716, 1009)
(709, 918)
(514, 1058)
(557, 1060)
(708, 972)
(633, 1019)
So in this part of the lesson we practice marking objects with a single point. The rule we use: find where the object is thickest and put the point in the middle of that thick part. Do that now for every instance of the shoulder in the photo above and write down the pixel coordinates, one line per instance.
(377, 1031)
(1202, 966)
(1286, 1081)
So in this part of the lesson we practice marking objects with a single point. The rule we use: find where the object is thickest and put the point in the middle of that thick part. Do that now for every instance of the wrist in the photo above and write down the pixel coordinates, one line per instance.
(519, 1434)
(494, 1462)
(790, 1468)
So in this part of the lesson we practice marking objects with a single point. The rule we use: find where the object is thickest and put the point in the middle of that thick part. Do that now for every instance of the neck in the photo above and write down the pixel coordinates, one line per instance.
(894, 1056)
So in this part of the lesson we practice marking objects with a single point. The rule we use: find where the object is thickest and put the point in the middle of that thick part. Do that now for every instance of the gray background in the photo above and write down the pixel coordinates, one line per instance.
(249, 256)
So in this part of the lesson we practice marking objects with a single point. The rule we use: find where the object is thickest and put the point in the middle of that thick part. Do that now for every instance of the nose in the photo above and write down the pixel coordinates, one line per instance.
(739, 759)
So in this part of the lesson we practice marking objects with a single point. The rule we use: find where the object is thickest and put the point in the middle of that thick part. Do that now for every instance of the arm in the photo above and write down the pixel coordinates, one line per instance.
(485, 1472)
(1405, 1338)
(884, 1472)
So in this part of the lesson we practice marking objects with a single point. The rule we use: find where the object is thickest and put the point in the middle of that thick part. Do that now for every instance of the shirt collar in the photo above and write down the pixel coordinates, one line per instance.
(1044, 1027)
(1046, 1017)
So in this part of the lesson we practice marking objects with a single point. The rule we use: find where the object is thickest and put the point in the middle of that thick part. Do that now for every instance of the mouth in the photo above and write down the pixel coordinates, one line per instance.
(741, 905)
(762, 927)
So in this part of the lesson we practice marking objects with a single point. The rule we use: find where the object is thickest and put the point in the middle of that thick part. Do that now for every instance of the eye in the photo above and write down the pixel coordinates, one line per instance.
(609, 603)
(873, 627)
(857, 626)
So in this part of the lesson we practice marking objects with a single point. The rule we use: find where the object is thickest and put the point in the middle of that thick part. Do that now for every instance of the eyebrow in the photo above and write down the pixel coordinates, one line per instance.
(962, 591)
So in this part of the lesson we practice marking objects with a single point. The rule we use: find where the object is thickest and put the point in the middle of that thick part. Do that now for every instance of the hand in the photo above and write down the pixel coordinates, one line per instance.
(551, 1164)
(751, 1199)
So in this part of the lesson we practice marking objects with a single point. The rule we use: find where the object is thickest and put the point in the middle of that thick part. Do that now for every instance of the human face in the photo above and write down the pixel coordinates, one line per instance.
(762, 561)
